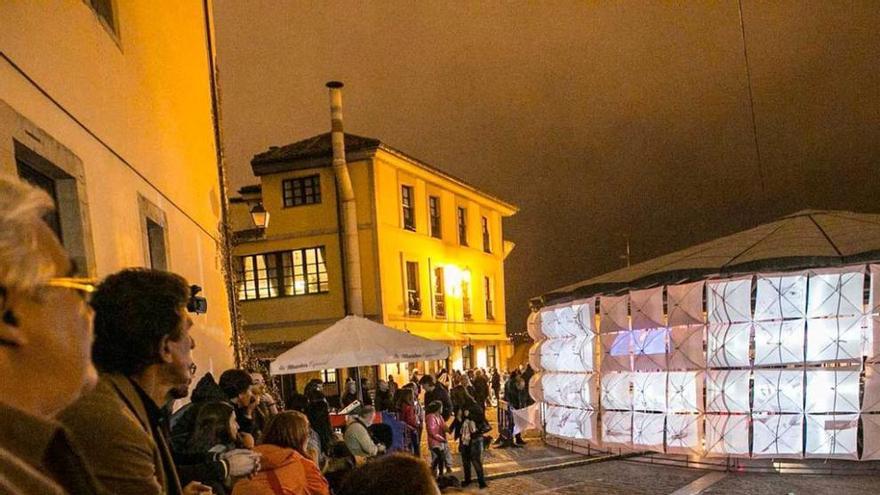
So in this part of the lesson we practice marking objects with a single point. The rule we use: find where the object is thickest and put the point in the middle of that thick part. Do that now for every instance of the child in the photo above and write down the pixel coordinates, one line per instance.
(437, 439)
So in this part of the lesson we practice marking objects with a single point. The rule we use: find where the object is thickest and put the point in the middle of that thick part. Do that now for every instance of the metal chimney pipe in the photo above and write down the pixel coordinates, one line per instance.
(345, 191)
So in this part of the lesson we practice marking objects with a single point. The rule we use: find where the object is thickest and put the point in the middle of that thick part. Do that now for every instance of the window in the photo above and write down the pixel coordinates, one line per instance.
(409, 216)
(156, 245)
(490, 305)
(47, 184)
(487, 245)
(413, 298)
(434, 210)
(104, 10)
(491, 357)
(285, 273)
(462, 226)
(301, 191)
(329, 376)
(466, 299)
(439, 293)
(467, 357)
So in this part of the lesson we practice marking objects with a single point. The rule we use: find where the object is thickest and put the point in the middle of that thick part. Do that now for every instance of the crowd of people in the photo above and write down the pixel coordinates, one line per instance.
(92, 371)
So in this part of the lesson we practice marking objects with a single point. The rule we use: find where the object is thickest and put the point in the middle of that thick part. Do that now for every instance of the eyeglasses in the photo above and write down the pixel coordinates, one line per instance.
(84, 286)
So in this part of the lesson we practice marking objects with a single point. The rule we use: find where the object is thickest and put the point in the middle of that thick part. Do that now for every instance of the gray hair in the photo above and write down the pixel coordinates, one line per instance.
(24, 266)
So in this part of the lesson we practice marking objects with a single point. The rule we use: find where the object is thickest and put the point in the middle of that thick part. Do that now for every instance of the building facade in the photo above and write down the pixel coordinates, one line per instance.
(109, 107)
(431, 248)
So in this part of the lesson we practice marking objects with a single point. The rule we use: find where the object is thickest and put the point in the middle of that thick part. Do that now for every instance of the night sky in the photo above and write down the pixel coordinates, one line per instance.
(601, 121)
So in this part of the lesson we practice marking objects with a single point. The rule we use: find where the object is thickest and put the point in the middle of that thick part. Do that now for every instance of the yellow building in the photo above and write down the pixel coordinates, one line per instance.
(431, 248)
(108, 105)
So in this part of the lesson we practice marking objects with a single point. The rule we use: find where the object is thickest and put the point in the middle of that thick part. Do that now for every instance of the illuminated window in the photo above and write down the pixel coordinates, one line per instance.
(329, 375)
(434, 209)
(488, 293)
(301, 191)
(409, 216)
(285, 273)
(491, 357)
(439, 292)
(466, 299)
(462, 226)
(413, 298)
(487, 245)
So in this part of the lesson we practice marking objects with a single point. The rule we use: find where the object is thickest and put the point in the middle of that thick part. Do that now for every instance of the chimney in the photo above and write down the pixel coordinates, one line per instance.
(345, 191)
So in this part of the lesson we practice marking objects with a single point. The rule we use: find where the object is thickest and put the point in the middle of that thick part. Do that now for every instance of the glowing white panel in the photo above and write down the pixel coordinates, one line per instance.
(574, 354)
(616, 351)
(535, 355)
(836, 292)
(779, 342)
(871, 399)
(613, 315)
(871, 338)
(568, 389)
(686, 347)
(533, 326)
(647, 430)
(727, 345)
(536, 388)
(777, 435)
(547, 321)
(834, 391)
(781, 297)
(832, 435)
(834, 339)
(727, 391)
(649, 391)
(684, 434)
(870, 437)
(616, 391)
(684, 390)
(617, 427)
(573, 320)
(646, 308)
(684, 303)
(727, 435)
(729, 301)
(874, 304)
(779, 391)
(649, 349)
(568, 422)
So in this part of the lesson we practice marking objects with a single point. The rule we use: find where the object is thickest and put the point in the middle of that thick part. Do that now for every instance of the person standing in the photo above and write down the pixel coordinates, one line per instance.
(496, 385)
(481, 388)
(45, 350)
(384, 399)
(439, 392)
(468, 428)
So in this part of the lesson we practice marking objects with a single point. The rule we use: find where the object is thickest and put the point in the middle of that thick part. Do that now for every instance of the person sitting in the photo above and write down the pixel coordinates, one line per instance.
(238, 387)
(216, 433)
(299, 403)
(340, 462)
(406, 413)
(45, 349)
(357, 435)
(285, 467)
(266, 406)
(394, 474)
(143, 350)
(183, 421)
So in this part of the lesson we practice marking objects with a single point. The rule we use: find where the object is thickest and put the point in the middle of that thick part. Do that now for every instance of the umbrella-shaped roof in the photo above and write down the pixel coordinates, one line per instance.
(807, 239)
(355, 341)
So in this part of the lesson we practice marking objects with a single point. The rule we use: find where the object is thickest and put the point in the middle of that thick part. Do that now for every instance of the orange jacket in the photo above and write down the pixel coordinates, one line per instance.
(296, 474)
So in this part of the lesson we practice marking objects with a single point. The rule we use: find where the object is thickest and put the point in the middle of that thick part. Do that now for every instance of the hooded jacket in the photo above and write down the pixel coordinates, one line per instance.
(283, 471)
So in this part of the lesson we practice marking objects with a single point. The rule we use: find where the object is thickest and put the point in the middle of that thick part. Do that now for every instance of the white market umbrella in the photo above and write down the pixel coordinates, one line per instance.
(355, 341)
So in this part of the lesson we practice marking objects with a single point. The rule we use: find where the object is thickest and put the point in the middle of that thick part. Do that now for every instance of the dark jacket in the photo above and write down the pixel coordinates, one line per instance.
(384, 400)
(481, 389)
(440, 393)
(37, 457)
(475, 412)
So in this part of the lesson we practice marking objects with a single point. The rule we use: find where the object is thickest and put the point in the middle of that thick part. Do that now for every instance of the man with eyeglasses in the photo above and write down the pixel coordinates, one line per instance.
(45, 349)
(143, 350)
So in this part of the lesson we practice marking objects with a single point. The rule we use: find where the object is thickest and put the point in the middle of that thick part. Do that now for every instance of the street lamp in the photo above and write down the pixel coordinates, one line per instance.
(260, 216)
